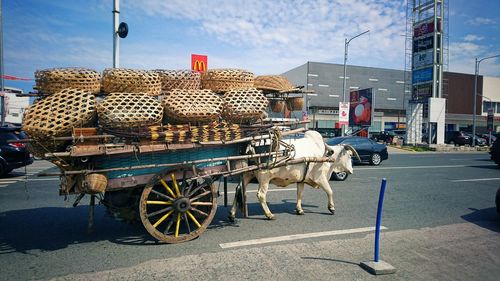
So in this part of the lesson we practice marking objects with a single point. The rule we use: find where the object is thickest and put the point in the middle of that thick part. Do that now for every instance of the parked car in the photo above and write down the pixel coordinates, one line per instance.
(13, 155)
(369, 150)
(487, 138)
(495, 152)
(457, 138)
(388, 136)
(479, 140)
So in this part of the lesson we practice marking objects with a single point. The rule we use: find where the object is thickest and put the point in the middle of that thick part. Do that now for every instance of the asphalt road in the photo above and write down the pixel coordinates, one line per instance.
(42, 236)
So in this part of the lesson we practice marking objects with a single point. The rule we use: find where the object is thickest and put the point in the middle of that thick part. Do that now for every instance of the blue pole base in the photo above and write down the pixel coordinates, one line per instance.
(378, 268)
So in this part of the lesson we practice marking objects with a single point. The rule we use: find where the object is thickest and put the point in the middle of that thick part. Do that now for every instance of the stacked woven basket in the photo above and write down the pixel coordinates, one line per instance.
(125, 98)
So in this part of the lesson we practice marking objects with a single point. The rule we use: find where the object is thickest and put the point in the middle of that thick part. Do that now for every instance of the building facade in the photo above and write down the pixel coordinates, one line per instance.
(391, 100)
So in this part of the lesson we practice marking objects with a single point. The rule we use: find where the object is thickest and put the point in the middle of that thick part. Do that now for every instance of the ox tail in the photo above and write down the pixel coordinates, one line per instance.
(351, 148)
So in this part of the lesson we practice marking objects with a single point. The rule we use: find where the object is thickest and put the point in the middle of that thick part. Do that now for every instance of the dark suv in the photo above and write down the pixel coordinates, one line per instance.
(12, 154)
(458, 137)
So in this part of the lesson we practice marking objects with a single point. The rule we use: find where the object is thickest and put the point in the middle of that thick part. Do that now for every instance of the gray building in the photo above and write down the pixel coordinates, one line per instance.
(326, 80)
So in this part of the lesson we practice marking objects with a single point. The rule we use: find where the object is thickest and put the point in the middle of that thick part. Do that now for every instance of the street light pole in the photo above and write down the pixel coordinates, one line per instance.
(346, 47)
(476, 73)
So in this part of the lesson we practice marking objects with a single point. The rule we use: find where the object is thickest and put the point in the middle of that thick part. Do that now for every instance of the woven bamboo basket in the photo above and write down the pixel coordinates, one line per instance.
(95, 183)
(184, 106)
(129, 110)
(179, 79)
(121, 80)
(53, 80)
(244, 105)
(273, 83)
(277, 105)
(223, 80)
(57, 114)
(295, 103)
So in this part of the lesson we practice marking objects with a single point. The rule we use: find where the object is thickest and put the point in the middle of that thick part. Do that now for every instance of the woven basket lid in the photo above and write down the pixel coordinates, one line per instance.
(274, 83)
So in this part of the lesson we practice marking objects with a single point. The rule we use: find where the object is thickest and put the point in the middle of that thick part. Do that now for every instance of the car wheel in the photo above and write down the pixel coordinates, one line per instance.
(452, 143)
(340, 176)
(375, 159)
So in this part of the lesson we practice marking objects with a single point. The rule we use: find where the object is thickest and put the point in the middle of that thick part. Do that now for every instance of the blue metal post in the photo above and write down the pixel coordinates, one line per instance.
(379, 218)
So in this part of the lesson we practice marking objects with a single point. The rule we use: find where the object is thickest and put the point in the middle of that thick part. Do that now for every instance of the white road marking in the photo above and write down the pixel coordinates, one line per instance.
(424, 167)
(483, 179)
(7, 181)
(296, 237)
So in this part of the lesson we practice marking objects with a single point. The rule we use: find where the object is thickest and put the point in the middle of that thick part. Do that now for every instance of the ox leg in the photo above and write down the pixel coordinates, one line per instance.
(261, 195)
(300, 193)
(247, 177)
(325, 185)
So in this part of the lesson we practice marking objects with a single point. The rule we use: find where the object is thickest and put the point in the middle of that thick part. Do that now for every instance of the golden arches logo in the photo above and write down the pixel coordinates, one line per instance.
(199, 66)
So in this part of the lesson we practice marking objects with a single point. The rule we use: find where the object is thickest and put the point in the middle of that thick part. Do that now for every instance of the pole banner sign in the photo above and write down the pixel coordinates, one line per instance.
(360, 111)
(489, 121)
(425, 28)
(343, 113)
(199, 63)
(421, 75)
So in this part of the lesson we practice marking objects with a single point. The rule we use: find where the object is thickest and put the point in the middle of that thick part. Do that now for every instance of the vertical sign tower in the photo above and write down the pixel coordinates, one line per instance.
(426, 56)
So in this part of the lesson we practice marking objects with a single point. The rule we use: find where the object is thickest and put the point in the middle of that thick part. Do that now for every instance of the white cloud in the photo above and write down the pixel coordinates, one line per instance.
(481, 21)
(472, 37)
(297, 30)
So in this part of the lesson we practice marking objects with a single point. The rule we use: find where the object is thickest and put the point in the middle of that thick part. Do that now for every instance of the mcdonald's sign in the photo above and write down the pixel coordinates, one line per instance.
(199, 63)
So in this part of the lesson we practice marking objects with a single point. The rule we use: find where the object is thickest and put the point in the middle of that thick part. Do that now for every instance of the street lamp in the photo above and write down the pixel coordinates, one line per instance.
(346, 47)
(475, 93)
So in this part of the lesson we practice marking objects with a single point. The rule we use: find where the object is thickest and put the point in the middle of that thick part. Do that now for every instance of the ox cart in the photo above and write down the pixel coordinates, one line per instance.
(169, 187)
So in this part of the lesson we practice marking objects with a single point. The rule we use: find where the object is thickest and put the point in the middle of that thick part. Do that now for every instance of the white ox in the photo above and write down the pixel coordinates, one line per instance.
(315, 174)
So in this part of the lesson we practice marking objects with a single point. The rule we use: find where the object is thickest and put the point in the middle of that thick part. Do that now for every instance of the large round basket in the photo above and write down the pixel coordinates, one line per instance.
(277, 105)
(179, 79)
(121, 80)
(295, 103)
(58, 114)
(223, 80)
(185, 106)
(244, 105)
(53, 80)
(129, 110)
(273, 83)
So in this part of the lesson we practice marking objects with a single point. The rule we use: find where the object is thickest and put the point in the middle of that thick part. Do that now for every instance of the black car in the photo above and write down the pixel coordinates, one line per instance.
(495, 152)
(13, 154)
(369, 150)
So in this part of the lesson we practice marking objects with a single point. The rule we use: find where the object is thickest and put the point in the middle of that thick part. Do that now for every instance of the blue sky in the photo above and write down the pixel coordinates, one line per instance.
(266, 37)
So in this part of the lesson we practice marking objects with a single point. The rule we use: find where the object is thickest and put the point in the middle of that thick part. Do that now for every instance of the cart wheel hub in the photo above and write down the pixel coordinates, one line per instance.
(182, 204)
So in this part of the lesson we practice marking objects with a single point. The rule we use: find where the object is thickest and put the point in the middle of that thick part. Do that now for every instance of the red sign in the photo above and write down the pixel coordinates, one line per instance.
(360, 111)
(425, 28)
(199, 63)
(11, 77)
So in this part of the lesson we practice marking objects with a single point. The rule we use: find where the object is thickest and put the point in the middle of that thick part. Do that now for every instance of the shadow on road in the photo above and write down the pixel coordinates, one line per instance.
(329, 259)
(53, 228)
(490, 167)
(486, 218)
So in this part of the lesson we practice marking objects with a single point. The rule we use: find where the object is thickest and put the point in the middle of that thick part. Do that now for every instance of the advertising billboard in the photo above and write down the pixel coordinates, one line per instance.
(421, 93)
(360, 108)
(425, 28)
(199, 63)
(424, 43)
(422, 58)
(421, 75)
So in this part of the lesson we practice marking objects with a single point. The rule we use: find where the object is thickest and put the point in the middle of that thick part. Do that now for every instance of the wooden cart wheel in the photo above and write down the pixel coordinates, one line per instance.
(175, 210)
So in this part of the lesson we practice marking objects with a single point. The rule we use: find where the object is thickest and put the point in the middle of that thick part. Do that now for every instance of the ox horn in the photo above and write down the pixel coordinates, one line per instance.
(351, 148)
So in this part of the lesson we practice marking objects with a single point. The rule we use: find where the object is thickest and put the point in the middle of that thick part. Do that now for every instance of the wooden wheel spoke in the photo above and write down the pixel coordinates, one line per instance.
(154, 202)
(195, 190)
(187, 223)
(198, 211)
(200, 195)
(163, 218)
(193, 219)
(202, 203)
(169, 225)
(176, 186)
(159, 212)
(169, 190)
(162, 195)
(184, 182)
(177, 225)
(190, 185)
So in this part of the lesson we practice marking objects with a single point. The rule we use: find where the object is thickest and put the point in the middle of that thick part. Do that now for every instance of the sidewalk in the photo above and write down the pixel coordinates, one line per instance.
(453, 252)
